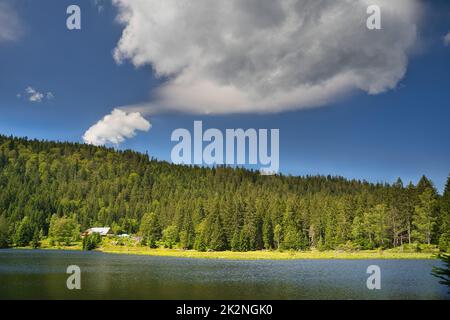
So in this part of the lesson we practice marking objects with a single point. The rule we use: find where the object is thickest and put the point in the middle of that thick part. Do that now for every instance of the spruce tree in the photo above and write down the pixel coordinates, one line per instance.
(424, 219)
(444, 223)
(36, 242)
(218, 240)
(150, 229)
(4, 232)
(24, 233)
(268, 233)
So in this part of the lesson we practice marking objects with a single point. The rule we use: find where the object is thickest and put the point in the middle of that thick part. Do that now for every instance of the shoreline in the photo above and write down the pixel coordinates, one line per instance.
(255, 255)
(272, 255)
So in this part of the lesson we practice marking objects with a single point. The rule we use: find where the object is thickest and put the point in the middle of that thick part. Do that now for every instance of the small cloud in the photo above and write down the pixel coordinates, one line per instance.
(447, 39)
(115, 128)
(34, 95)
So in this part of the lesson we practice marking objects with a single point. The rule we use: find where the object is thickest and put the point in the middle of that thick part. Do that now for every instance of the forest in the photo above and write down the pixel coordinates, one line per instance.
(57, 189)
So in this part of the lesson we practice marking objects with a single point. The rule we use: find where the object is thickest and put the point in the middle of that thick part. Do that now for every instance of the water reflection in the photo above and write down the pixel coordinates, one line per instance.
(38, 274)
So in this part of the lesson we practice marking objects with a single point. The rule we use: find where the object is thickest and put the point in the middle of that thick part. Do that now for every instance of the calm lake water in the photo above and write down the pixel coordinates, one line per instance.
(38, 274)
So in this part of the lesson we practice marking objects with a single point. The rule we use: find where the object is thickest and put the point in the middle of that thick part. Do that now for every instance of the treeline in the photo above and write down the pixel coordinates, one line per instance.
(83, 186)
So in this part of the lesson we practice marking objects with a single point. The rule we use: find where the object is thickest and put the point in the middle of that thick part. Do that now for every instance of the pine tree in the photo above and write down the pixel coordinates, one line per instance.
(444, 230)
(376, 226)
(201, 237)
(291, 235)
(278, 236)
(24, 233)
(358, 231)
(236, 241)
(4, 232)
(64, 230)
(150, 229)
(291, 238)
(268, 233)
(410, 203)
(36, 242)
(218, 240)
(424, 184)
(424, 219)
(187, 235)
(92, 241)
(247, 240)
(170, 236)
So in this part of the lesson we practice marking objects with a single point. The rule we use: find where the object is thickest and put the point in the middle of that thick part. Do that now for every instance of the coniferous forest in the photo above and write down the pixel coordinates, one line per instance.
(51, 188)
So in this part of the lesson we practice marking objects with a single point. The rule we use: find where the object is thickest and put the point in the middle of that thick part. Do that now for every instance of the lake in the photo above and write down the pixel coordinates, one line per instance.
(41, 274)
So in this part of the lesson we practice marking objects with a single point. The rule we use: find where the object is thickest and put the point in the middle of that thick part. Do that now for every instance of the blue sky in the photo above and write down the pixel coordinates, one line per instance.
(403, 132)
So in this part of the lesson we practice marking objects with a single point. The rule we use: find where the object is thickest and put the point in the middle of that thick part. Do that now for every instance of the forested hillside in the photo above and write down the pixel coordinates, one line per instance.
(203, 208)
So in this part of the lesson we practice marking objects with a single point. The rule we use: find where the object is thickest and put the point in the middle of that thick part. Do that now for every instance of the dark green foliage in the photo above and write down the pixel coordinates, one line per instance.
(278, 235)
(444, 242)
(202, 236)
(444, 221)
(170, 235)
(150, 229)
(24, 232)
(424, 218)
(235, 241)
(62, 188)
(92, 241)
(4, 233)
(187, 235)
(268, 233)
(64, 230)
(218, 240)
(376, 226)
(36, 241)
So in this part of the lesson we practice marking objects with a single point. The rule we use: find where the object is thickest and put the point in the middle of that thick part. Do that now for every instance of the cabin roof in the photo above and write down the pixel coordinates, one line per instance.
(102, 231)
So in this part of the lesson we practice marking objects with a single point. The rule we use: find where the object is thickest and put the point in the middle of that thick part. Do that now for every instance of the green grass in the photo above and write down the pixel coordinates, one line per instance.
(267, 255)
(109, 246)
(45, 244)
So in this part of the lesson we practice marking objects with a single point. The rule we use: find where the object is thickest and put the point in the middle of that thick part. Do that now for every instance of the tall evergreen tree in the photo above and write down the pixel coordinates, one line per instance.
(218, 241)
(4, 232)
(24, 232)
(444, 223)
(150, 229)
(424, 216)
(268, 233)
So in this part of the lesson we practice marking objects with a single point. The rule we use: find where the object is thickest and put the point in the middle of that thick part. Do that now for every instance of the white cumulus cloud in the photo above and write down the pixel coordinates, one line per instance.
(34, 95)
(232, 56)
(116, 127)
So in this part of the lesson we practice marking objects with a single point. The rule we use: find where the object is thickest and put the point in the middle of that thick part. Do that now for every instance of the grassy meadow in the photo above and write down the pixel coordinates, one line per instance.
(129, 247)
